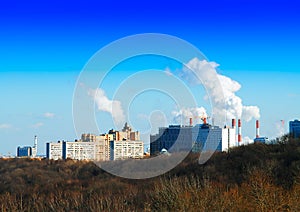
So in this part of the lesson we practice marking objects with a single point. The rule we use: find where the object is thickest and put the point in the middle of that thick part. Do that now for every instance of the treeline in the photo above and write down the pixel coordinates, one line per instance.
(256, 177)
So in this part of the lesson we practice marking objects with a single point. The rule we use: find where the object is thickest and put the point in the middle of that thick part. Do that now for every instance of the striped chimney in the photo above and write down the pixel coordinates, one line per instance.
(204, 121)
(233, 123)
(257, 128)
(191, 121)
(239, 131)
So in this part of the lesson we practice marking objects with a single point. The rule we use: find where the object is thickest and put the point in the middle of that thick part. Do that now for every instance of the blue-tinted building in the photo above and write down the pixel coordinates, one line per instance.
(295, 128)
(174, 138)
(201, 137)
(25, 151)
(261, 140)
(207, 138)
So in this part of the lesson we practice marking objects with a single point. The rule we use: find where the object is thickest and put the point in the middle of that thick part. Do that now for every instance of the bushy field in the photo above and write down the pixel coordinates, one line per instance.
(257, 177)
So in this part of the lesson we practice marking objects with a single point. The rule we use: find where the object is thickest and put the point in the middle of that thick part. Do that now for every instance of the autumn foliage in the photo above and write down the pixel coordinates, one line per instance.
(257, 177)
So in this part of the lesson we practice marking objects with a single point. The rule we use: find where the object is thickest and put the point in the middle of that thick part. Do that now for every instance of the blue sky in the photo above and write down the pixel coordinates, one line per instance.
(44, 46)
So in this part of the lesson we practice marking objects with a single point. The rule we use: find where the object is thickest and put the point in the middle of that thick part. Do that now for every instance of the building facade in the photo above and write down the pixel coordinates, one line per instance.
(28, 151)
(201, 137)
(78, 150)
(25, 151)
(114, 145)
(120, 150)
(174, 138)
(295, 128)
(54, 150)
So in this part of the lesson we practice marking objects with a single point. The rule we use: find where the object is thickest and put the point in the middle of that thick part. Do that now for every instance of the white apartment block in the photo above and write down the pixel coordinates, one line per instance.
(79, 150)
(54, 150)
(120, 150)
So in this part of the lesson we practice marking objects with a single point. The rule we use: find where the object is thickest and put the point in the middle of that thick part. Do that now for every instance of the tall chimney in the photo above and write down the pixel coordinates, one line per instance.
(204, 121)
(191, 121)
(239, 131)
(233, 123)
(35, 141)
(257, 129)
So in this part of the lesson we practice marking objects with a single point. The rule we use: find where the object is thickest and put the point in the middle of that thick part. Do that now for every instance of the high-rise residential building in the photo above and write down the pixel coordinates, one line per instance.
(88, 137)
(295, 128)
(120, 150)
(78, 150)
(54, 150)
(102, 151)
(115, 145)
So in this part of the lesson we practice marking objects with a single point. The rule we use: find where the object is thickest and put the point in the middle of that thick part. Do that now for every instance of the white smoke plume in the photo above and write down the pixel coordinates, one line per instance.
(206, 72)
(246, 140)
(104, 104)
(182, 116)
(279, 129)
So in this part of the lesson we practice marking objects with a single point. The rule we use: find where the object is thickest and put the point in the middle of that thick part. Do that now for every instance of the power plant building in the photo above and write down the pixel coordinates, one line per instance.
(174, 138)
(28, 151)
(295, 128)
(201, 137)
(25, 151)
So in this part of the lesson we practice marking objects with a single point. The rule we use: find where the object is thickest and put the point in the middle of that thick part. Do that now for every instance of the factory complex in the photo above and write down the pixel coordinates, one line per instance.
(126, 143)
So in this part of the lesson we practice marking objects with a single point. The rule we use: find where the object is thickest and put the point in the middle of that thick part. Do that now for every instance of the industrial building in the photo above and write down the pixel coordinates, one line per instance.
(201, 137)
(168, 136)
(295, 128)
(258, 138)
(28, 151)
(25, 151)
(112, 146)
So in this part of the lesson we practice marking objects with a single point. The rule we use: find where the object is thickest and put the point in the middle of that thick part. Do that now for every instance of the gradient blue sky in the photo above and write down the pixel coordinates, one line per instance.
(44, 45)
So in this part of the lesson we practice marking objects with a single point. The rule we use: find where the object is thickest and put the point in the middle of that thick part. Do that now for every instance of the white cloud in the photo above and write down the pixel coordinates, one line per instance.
(207, 74)
(37, 125)
(279, 127)
(104, 104)
(5, 126)
(250, 112)
(49, 115)
(246, 140)
(184, 114)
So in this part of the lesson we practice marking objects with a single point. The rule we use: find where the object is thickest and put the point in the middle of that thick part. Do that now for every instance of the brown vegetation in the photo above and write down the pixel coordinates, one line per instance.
(257, 177)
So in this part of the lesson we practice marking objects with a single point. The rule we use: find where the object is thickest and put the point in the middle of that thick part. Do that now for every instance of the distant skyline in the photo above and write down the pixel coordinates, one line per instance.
(44, 46)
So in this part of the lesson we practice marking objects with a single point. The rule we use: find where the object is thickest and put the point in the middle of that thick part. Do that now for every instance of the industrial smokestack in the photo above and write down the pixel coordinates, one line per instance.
(204, 121)
(191, 121)
(239, 131)
(233, 123)
(35, 141)
(257, 129)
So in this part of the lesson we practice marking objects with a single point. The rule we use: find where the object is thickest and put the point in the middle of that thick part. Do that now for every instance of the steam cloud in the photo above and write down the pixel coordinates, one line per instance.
(233, 104)
(186, 113)
(104, 104)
